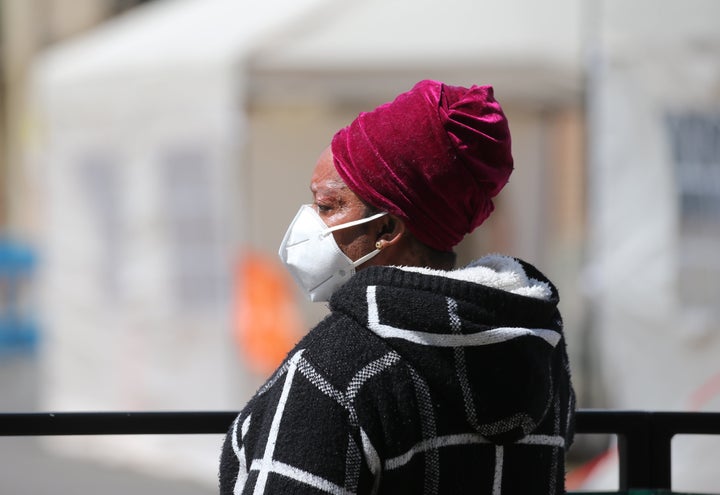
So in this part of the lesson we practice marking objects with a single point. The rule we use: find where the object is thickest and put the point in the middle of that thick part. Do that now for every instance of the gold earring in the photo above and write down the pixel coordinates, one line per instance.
(379, 245)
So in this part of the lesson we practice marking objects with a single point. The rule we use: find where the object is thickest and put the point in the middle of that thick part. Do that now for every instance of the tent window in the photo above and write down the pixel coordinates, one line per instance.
(695, 141)
(196, 277)
(99, 178)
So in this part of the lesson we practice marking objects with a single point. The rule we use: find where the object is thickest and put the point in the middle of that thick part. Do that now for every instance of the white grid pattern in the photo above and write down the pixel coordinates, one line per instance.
(487, 337)
(430, 445)
(267, 465)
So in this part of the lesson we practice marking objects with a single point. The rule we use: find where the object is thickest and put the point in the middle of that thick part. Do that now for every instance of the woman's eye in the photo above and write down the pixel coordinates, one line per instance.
(323, 208)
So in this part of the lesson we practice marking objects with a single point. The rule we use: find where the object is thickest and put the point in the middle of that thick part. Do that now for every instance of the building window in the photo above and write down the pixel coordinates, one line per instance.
(695, 147)
(198, 275)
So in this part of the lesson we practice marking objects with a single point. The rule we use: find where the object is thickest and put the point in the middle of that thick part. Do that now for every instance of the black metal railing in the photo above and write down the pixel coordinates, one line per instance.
(114, 423)
(644, 441)
(644, 437)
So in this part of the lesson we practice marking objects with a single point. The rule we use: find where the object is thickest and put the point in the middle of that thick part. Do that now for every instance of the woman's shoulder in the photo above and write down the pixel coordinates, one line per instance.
(340, 346)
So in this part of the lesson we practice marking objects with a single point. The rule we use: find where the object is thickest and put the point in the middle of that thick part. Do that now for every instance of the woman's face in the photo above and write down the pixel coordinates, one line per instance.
(337, 204)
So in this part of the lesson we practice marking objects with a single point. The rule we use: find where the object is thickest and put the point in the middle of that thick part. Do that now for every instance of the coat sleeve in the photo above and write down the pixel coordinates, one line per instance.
(230, 462)
(296, 437)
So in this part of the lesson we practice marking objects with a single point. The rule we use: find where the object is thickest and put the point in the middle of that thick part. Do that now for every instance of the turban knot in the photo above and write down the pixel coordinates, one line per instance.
(435, 157)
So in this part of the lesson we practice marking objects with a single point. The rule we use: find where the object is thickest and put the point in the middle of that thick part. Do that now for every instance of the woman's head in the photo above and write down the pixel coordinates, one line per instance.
(401, 185)
(434, 157)
(336, 204)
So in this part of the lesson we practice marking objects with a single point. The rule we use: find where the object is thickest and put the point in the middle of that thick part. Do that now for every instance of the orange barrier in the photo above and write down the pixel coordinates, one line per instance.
(266, 317)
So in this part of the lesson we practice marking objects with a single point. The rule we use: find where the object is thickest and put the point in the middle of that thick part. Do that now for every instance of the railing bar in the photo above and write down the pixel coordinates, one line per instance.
(615, 422)
(162, 422)
(114, 423)
(644, 437)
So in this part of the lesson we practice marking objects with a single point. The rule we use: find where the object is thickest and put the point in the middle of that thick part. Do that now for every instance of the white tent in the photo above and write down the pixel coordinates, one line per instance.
(155, 150)
(528, 50)
(139, 134)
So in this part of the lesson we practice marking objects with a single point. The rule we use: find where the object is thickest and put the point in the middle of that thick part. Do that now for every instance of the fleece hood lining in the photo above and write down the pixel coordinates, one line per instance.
(496, 271)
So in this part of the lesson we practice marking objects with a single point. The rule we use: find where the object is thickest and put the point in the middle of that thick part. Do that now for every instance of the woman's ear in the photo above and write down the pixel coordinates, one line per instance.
(390, 232)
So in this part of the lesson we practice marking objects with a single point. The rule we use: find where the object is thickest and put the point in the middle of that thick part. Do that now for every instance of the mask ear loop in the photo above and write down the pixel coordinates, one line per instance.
(346, 225)
(365, 258)
(371, 254)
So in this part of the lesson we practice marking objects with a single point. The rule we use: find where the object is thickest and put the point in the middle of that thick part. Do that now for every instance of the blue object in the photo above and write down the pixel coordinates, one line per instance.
(18, 326)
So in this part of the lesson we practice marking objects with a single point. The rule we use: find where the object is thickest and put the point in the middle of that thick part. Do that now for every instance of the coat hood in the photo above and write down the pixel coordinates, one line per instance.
(486, 339)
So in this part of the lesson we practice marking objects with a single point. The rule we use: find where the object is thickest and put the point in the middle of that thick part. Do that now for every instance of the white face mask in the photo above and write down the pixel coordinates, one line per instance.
(312, 256)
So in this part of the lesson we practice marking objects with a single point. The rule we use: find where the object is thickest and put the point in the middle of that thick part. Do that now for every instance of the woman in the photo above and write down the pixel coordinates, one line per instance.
(424, 378)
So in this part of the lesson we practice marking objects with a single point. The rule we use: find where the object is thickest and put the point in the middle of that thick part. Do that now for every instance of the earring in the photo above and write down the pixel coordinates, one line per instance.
(379, 245)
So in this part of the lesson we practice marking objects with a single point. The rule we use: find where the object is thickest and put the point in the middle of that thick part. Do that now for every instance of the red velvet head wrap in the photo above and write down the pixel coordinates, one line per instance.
(435, 157)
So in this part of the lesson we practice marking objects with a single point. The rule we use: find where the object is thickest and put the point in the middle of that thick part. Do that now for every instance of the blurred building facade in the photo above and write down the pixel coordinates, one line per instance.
(654, 223)
(27, 28)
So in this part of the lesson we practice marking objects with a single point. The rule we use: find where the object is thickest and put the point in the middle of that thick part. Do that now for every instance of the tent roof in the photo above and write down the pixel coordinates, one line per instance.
(531, 49)
(169, 34)
(338, 46)
(382, 33)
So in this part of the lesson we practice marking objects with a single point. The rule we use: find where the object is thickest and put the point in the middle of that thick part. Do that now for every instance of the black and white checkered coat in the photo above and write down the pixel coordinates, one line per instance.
(418, 382)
